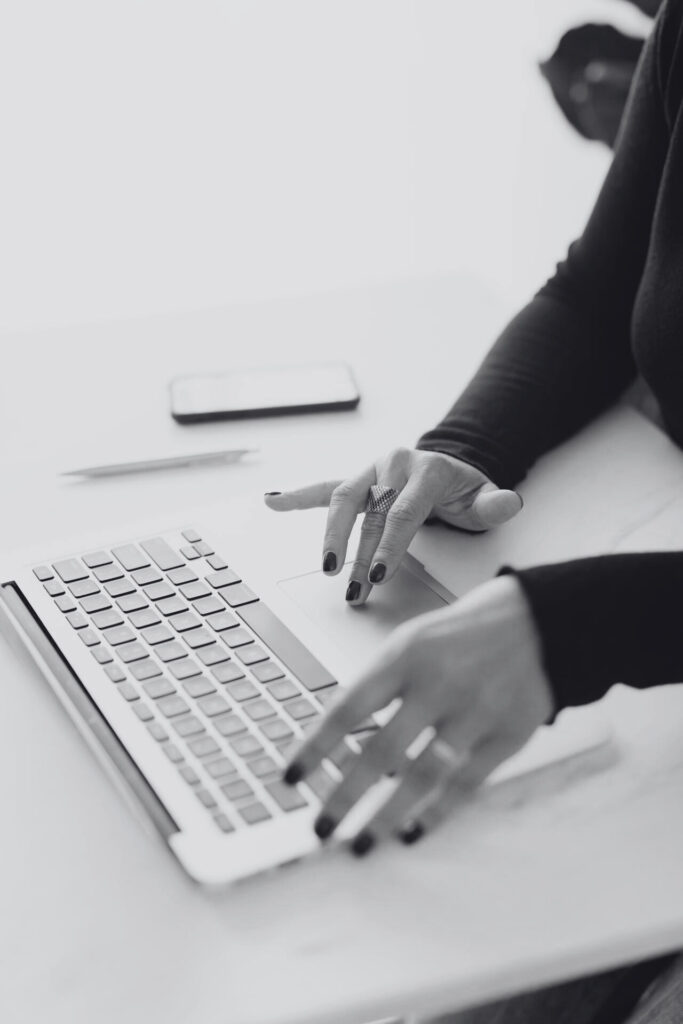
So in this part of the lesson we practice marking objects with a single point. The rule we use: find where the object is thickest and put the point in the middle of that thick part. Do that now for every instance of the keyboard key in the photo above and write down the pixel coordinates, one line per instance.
(156, 688)
(222, 578)
(157, 732)
(320, 783)
(207, 605)
(203, 548)
(195, 591)
(286, 797)
(108, 572)
(156, 591)
(184, 669)
(101, 654)
(216, 562)
(198, 687)
(266, 672)
(83, 588)
(276, 729)
(130, 557)
(212, 655)
(117, 588)
(253, 813)
(156, 635)
(329, 696)
(231, 725)
(43, 573)
(213, 705)
(246, 746)
(222, 766)
(191, 536)
(119, 635)
(65, 603)
(227, 672)
(143, 577)
(143, 712)
(259, 709)
(237, 790)
(198, 638)
(205, 797)
(238, 595)
(241, 690)
(97, 558)
(223, 823)
(54, 588)
(89, 637)
(145, 669)
(115, 673)
(182, 575)
(145, 617)
(96, 603)
(131, 602)
(189, 552)
(171, 651)
(77, 620)
(185, 621)
(108, 618)
(251, 654)
(301, 708)
(237, 637)
(189, 774)
(221, 621)
(172, 752)
(131, 652)
(69, 570)
(162, 554)
(173, 706)
(171, 606)
(286, 647)
(128, 691)
(263, 766)
(283, 689)
(189, 726)
(203, 746)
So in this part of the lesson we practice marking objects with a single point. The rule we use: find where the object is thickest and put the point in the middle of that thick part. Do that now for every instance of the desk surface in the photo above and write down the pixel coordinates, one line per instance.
(535, 881)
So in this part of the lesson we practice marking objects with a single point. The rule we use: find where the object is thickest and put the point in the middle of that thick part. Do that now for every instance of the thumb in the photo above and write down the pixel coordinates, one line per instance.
(493, 507)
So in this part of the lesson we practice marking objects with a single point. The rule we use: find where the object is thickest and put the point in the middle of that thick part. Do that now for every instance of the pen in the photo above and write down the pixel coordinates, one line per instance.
(148, 465)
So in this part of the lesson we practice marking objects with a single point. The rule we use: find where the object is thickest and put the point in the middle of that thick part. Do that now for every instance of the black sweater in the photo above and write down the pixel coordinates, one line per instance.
(613, 310)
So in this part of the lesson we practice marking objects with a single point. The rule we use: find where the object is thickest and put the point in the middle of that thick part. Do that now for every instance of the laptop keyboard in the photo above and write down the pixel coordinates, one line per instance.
(218, 680)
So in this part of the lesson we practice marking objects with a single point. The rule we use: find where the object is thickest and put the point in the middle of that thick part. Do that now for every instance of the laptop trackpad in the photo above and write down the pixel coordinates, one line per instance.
(356, 632)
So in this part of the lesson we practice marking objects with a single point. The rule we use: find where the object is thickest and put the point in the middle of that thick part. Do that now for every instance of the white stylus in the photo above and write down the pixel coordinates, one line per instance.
(176, 461)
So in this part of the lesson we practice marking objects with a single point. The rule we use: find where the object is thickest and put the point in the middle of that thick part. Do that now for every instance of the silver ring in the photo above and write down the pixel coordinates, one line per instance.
(450, 758)
(380, 499)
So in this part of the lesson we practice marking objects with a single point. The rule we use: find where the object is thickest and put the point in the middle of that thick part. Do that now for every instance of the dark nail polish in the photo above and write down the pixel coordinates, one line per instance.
(378, 572)
(362, 844)
(329, 562)
(272, 494)
(353, 590)
(324, 826)
(411, 834)
(293, 774)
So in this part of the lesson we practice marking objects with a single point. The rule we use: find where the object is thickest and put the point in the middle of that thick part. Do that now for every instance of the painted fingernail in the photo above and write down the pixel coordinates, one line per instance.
(272, 494)
(353, 590)
(411, 834)
(378, 572)
(363, 842)
(329, 562)
(324, 826)
(293, 774)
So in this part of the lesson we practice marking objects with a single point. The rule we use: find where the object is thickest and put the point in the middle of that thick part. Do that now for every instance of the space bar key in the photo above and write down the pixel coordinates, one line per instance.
(286, 647)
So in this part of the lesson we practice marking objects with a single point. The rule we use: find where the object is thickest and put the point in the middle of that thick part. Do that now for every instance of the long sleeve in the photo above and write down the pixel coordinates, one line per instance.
(567, 356)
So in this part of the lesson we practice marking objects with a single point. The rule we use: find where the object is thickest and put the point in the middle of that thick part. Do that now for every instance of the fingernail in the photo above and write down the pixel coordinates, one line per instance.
(329, 562)
(378, 572)
(362, 843)
(411, 834)
(272, 494)
(353, 590)
(293, 774)
(324, 826)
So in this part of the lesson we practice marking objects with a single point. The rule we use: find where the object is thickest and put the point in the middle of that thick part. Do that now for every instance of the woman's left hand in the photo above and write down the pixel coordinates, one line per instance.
(472, 675)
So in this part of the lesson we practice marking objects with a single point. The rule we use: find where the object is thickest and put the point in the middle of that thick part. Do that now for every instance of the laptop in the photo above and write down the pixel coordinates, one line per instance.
(194, 658)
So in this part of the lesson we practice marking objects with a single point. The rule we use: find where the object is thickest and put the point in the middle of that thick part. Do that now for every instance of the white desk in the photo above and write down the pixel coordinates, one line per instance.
(531, 884)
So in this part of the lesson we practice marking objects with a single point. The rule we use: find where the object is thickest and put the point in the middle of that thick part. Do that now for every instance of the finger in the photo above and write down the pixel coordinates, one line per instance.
(413, 505)
(359, 587)
(490, 752)
(385, 752)
(346, 501)
(313, 496)
(490, 507)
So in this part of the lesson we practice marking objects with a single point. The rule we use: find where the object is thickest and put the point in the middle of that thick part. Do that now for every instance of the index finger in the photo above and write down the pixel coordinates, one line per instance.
(313, 496)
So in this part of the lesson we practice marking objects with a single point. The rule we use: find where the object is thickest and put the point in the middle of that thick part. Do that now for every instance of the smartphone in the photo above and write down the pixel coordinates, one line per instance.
(263, 391)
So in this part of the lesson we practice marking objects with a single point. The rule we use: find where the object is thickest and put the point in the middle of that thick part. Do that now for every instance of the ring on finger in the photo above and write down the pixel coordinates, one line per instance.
(380, 499)
(451, 759)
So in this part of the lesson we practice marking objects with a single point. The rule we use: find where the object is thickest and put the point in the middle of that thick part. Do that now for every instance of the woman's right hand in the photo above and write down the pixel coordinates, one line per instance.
(430, 484)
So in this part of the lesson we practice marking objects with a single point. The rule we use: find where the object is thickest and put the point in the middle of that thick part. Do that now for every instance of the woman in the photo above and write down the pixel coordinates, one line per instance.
(529, 643)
